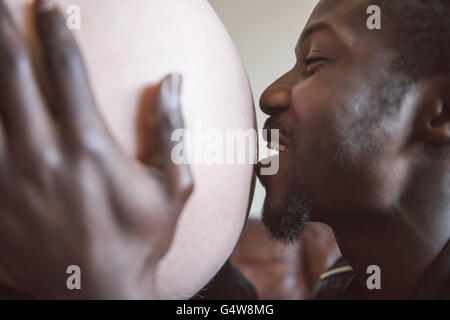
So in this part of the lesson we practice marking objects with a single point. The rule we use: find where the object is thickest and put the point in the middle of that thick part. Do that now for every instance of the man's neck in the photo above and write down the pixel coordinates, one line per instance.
(403, 250)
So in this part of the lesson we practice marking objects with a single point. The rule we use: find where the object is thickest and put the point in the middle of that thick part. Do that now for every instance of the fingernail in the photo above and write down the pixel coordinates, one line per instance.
(176, 80)
(172, 83)
(44, 5)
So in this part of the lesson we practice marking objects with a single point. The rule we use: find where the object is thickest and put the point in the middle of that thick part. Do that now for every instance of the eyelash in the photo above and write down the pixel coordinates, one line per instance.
(309, 61)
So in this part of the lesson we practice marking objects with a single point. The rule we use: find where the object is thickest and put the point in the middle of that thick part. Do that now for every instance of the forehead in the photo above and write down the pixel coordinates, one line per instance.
(346, 19)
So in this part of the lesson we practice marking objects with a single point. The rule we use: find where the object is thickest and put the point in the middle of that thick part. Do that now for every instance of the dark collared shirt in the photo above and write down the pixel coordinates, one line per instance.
(341, 283)
(435, 284)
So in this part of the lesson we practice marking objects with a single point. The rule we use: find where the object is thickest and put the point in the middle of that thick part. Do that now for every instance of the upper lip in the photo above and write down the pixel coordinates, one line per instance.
(282, 139)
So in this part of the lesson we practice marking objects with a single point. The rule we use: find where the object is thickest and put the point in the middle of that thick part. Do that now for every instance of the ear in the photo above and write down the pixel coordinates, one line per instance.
(433, 119)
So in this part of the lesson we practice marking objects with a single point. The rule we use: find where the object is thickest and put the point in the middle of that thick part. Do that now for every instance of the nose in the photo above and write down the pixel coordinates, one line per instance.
(276, 98)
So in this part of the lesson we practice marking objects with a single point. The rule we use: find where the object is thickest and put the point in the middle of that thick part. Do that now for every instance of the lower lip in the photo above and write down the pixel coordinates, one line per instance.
(260, 165)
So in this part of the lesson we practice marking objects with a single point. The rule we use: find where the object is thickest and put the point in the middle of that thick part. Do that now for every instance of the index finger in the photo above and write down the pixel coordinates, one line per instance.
(71, 97)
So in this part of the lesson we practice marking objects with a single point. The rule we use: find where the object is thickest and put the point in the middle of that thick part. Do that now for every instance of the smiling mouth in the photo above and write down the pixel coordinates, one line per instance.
(276, 146)
(275, 141)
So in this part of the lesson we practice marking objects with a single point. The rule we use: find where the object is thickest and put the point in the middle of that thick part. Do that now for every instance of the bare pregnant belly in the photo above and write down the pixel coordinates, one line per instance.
(130, 44)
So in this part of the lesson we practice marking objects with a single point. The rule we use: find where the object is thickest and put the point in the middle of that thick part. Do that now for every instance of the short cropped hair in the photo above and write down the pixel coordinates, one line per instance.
(422, 41)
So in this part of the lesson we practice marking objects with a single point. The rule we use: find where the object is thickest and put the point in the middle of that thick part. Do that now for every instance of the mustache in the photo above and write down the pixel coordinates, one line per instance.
(274, 122)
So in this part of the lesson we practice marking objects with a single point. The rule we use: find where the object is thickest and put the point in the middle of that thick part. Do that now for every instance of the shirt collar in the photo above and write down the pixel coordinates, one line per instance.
(432, 285)
(435, 280)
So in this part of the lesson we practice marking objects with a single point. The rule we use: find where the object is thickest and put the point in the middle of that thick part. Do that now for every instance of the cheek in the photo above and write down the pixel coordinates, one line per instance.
(315, 113)
(327, 110)
(315, 136)
(320, 115)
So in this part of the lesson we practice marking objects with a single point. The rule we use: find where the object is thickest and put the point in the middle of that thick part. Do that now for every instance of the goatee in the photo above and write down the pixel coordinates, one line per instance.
(286, 224)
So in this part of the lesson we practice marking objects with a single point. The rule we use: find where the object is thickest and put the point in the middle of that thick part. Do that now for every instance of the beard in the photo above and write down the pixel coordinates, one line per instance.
(285, 223)
(286, 216)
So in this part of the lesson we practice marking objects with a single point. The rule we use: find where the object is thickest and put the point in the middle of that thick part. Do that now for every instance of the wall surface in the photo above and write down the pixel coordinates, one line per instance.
(265, 33)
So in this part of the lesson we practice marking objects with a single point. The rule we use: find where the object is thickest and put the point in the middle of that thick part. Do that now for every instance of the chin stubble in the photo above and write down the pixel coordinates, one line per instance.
(286, 223)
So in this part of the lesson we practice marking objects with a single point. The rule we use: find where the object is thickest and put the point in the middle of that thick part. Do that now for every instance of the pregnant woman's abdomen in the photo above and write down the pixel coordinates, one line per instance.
(130, 44)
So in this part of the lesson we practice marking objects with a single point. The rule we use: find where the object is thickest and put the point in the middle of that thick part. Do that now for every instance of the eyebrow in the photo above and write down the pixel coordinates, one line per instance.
(311, 30)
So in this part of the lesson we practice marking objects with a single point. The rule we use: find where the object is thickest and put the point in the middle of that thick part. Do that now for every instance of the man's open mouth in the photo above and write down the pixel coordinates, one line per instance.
(276, 146)
(275, 140)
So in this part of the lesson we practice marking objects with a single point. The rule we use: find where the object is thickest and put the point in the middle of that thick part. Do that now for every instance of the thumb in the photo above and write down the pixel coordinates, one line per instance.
(162, 115)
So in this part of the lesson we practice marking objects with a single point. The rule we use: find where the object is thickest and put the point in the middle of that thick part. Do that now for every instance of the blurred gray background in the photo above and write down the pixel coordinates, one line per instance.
(265, 33)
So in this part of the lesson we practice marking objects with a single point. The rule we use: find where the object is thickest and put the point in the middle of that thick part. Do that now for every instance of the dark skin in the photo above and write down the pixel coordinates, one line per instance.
(380, 180)
(64, 181)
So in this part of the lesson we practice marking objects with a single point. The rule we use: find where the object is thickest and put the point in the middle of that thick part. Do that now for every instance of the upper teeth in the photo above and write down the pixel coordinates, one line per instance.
(276, 146)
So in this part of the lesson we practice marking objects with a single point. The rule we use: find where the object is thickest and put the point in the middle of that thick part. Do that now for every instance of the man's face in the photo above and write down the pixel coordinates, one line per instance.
(340, 146)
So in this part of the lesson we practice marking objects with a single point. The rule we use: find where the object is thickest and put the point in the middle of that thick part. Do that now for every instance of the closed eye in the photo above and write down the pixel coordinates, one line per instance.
(312, 65)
